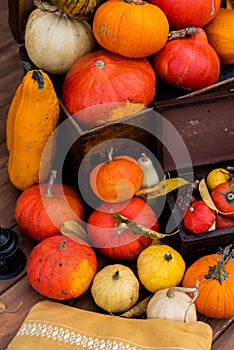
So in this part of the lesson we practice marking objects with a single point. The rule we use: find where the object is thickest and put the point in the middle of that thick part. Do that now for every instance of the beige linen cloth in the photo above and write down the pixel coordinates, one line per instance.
(54, 326)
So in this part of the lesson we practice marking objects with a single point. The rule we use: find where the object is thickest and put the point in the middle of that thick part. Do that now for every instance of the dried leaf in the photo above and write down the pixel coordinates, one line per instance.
(205, 195)
(140, 229)
(74, 230)
(162, 188)
(137, 310)
(2, 307)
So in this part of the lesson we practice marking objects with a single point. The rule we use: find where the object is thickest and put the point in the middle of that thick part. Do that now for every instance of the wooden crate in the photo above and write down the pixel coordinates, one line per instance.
(19, 10)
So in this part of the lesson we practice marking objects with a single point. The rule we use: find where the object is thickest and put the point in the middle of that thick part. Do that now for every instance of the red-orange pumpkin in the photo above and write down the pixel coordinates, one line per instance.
(186, 13)
(199, 218)
(189, 62)
(114, 239)
(40, 213)
(132, 28)
(61, 268)
(116, 180)
(103, 77)
(223, 222)
(223, 197)
(215, 274)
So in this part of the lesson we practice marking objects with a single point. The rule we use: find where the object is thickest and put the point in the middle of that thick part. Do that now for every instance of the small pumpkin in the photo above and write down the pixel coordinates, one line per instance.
(78, 9)
(189, 62)
(44, 27)
(186, 13)
(132, 28)
(173, 304)
(160, 267)
(41, 209)
(61, 268)
(115, 288)
(220, 33)
(199, 218)
(223, 197)
(115, 239)
(116, 180)
(215, 274)
(223, 222)
(102, 77)
(32, 118)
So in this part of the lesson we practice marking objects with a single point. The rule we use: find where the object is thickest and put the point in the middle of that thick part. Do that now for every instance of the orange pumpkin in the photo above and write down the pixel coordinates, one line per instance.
(220, 33)
(215, 274)
(61, 268)
(132, 28)
(116, 180)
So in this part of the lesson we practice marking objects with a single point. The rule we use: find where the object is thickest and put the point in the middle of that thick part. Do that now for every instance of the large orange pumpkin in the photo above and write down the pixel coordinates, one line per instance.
(220, 33)
(61, 268)
(215, 274)
(103, 77)
(132, 28)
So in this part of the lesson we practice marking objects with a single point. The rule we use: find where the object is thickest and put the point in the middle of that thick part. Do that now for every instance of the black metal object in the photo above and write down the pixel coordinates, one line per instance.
(12, 259)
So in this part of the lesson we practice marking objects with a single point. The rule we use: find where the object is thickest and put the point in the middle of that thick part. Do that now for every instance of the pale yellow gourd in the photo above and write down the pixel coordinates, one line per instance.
(32, 118)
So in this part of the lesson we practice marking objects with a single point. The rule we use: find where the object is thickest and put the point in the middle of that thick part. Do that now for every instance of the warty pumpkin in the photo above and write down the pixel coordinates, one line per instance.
(215, 274)
(78, 9)
(61, 268)
(220, 33)
(131, 28)
(32, 118)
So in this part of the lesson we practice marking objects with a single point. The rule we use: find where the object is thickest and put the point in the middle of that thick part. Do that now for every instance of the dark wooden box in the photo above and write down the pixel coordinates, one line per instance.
(193, 246)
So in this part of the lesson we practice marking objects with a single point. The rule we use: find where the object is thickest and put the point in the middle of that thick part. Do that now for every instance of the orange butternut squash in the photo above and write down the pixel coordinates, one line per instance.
(32, 118)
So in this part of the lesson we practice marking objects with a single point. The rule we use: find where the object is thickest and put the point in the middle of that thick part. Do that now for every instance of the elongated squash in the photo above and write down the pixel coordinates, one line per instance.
(32, 118)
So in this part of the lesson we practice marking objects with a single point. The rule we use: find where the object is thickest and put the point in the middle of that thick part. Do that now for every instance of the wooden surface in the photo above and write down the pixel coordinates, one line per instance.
(18, 290)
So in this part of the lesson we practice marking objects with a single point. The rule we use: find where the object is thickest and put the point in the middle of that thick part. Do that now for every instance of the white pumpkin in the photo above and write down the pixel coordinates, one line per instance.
(172, 304)
(54, 41)
(115, 288)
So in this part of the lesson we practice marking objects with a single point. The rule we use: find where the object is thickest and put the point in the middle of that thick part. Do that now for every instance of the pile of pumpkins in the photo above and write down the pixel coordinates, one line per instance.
(114, 51)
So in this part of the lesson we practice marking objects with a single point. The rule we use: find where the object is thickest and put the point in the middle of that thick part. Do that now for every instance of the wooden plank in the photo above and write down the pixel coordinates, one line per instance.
(4, 178)
(226, 340)
(9, 59)
(3, 118)
(8, 86)
(23, 293)
(8, 195)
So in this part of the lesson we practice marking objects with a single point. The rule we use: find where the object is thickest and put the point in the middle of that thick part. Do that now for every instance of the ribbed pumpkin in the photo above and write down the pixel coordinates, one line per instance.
(215, 274)
(223, 198)
(115, 288)
(220, 33)
(32, 118)
(61, 268)
(186, 13)
(55, 41)
(159, 267)
(132, 28)
(78, 9)
(103, 77)
(113, 238)
(41, 210)
(116, 180)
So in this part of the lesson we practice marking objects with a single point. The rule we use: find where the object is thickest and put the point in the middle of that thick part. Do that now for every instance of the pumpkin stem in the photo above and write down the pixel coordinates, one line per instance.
(116, 275)
(176, 34)
(110, 153)
(100, 64)
(144, 157)
(62, 246)
(135, 2)
(38, 76)
(53, 174)
(218, 271)
(120, 227)
(45, 6)
(168, 256)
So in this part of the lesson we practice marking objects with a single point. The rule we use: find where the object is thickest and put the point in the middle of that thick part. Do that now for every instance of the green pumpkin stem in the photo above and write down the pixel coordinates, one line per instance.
(38, 76)
(218, 271)
(176, 34)
(135, 2)
(168, 256)
(116, 275)
(53, 174)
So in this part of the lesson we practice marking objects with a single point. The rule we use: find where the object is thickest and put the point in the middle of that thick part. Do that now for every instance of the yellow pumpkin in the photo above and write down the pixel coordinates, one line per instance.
(160, 267)
(229, 5)
(32, 118)
(220, 34)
